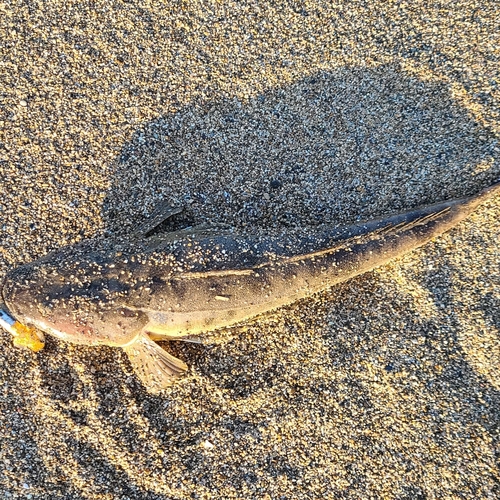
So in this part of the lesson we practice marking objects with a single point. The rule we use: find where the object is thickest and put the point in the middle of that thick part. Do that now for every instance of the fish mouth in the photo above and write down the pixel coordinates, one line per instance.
(23, 336)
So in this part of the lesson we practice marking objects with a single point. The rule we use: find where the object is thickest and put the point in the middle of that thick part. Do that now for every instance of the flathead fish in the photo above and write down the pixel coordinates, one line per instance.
(181, 284)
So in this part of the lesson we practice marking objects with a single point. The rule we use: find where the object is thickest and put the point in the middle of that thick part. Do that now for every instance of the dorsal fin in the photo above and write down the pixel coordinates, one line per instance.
(160, 214)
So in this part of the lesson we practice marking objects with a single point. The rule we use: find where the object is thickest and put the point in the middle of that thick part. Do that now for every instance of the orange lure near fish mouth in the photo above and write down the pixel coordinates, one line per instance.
(127, 292)
(24, 336)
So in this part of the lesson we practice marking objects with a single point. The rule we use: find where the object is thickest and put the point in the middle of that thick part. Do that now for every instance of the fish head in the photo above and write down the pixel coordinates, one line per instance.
(69, 298)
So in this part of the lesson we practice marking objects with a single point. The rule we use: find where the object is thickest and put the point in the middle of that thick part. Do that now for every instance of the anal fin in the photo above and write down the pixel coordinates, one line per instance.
(160, 337)
(154, 366)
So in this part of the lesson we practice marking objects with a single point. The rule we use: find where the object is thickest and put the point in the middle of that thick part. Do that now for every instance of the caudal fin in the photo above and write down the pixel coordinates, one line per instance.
(154, 366)
(490, 191)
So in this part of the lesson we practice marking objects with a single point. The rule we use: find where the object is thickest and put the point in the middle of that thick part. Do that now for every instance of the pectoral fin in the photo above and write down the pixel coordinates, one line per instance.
(154, 366)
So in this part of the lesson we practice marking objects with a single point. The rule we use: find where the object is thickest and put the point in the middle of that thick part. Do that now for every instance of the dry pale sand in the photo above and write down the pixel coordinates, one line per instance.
(265, 116)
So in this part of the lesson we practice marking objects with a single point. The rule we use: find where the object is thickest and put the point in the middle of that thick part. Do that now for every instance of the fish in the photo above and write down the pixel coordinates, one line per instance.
(131, 292)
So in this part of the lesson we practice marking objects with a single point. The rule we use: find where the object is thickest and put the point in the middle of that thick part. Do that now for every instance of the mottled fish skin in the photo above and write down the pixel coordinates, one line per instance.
(185, 283)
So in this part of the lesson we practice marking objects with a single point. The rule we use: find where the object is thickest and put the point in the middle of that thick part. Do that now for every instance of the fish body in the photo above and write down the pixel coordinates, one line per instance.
(181, 284)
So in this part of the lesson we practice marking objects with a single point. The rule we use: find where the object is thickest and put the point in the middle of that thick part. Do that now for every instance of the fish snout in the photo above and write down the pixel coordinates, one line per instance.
(17, 293)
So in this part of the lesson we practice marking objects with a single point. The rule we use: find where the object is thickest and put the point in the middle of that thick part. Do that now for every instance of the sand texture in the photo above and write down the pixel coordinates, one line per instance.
(265, 116)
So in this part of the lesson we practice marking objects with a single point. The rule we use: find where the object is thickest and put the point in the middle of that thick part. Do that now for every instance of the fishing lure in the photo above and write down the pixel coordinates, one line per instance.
(131, 292)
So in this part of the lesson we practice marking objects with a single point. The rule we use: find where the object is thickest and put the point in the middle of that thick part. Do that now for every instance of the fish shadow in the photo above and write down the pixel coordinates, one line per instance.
(330, 148)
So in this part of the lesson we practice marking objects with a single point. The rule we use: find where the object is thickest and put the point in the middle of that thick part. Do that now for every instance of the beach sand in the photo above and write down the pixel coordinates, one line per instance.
(266, 116)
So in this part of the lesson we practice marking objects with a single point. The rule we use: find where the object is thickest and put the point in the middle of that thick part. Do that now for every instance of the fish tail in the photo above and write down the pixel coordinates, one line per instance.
(488, 192)
(434, 220)
(154, 366)
(461, 208)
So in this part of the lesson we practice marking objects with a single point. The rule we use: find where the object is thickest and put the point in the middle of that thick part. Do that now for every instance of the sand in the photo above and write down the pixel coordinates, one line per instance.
(265, 116)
